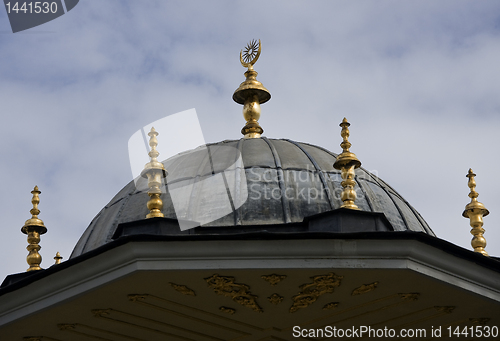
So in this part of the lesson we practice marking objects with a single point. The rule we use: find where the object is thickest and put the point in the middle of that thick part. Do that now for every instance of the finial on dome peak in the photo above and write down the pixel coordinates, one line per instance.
(154, 171)
(251, 93)
(34, 227)
(475, 211)
(346, 162)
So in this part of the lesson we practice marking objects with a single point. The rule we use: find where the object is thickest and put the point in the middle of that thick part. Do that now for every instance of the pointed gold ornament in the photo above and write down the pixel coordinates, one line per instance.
(346, 162)
(154, 171)
(475, 211)
(57, 258)
(34, 227)
(251, 93)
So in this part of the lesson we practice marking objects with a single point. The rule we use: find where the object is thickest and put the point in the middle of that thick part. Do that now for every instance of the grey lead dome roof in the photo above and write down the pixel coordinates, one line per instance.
(250, 182)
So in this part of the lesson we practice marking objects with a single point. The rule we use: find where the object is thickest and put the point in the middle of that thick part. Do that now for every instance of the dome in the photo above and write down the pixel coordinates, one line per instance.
(286, 182)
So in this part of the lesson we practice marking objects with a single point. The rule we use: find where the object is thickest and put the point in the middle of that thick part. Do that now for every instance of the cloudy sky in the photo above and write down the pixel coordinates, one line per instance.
(418, 80)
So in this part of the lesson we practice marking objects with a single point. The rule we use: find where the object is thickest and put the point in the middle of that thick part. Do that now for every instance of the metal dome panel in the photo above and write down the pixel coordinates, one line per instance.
(285, 181)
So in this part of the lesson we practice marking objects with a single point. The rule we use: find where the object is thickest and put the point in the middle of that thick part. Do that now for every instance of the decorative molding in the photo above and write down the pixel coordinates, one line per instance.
(138, 321)
(275, 298)
(480, 320)
(240, 293)
(199, 316)
(310, 292)
(183, 289)
(364, 289)
(413, 296)
(445, 309)
(331, 306)
(273, 279)
(227, 310)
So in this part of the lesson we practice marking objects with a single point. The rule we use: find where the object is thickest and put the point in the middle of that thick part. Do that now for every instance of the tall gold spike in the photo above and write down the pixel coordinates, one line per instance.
(475, 211)
(346, 162)
(154, 171)
(251, 93)
(34, 227)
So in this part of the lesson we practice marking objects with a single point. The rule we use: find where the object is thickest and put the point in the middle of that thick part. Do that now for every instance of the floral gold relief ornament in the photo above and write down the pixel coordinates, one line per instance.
(240, 293)
(183, 289)
(364, 289)
(480, 321)
(410, 296)
(331, 305)
(310, 292)
(275, 298)
(445, 309)
(227, 310)
(273, 279)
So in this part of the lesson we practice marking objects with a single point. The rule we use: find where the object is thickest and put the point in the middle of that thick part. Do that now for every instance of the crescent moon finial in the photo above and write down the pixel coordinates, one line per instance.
(251, 54)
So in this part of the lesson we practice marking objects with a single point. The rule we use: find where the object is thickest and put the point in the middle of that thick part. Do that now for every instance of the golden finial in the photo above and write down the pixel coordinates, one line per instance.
(58, 258)
(475, 211)
(34, 227)
(346, 162)
(251, 93)
(154, 172)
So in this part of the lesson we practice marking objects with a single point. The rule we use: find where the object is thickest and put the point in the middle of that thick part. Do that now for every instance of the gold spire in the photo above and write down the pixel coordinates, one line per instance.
(475, 211)
(251, 93)
(34, 227)
(346, 162)
(154, 172)
(58, 258)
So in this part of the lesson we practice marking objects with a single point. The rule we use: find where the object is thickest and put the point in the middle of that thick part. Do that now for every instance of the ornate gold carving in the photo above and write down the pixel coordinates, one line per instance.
(137, 297)
(480, 321)
(410, 296)
(240, 293)
(346, 162)
(34, 227)
(154, 171)
(475, 211)
(101, 312)
(275, 298)
(273, 279)
(330, 306)
(66, 326)
(310, 292)
(364, 289)
(227, 310)
(183, 289)
(445, 309)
